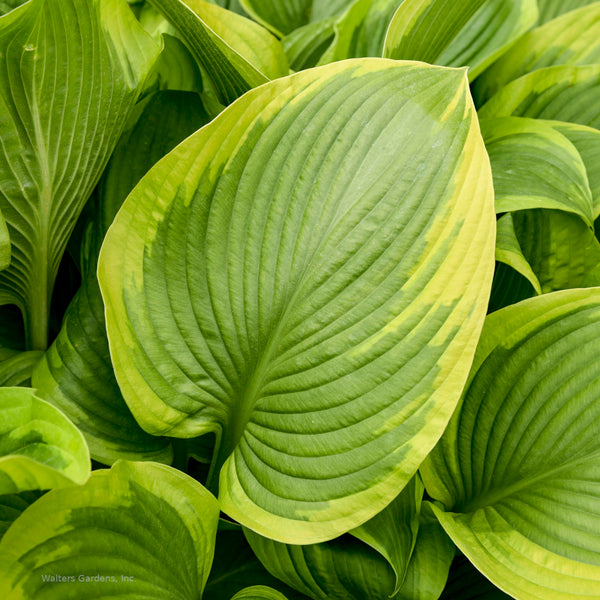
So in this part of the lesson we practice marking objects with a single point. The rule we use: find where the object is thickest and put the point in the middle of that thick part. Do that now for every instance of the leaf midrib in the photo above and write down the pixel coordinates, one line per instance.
(494, 496)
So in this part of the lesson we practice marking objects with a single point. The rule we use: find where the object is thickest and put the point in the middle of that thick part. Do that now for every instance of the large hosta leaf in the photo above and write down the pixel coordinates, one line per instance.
(535, 166)
(140, 530)
(76, 373)
(235, 53)
(39, 447)
(572, 39)
(561, 93)
(306, 277)
(70, 73)
(517, 472)
(468, 33)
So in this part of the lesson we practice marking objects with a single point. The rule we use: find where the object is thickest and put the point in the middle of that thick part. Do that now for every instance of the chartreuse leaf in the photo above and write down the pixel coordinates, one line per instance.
(572, 39)
(561, 250)
(470, 33)
(282, 279)
(587, 142)
(550, 9)
(343, 568)
(516, 473)
(76, 372)
(561, 93)
(427, 571)
(259, 592)
(70, 74)
(138, 530)
(509, 251)
(284, 16)
(235, 53)
(39, 447)
(535, 166)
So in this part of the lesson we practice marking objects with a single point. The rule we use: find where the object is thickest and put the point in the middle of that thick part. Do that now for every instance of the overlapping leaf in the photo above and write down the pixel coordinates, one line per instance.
(469, 33)
(508, 287)
(343, 569)
(76, 372)
(141, 530)
(235, 567)
(39, 447)
(561, 93)
(516, 472)
(284, 16)
(306, 277)
(587, 142)
(509, 251)
(17, 367)
(535, 166)
(68, 80)
(330, 39)
(561, 250)
(550, 9)
(12, 505)
(467, 583)
(4, 244)
(235, 53)
(573, 39)
(370, 35)
(259, 592)
(427, 570)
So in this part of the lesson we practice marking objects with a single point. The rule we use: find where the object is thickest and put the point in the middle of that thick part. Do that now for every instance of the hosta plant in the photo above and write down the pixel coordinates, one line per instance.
(299, 299)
